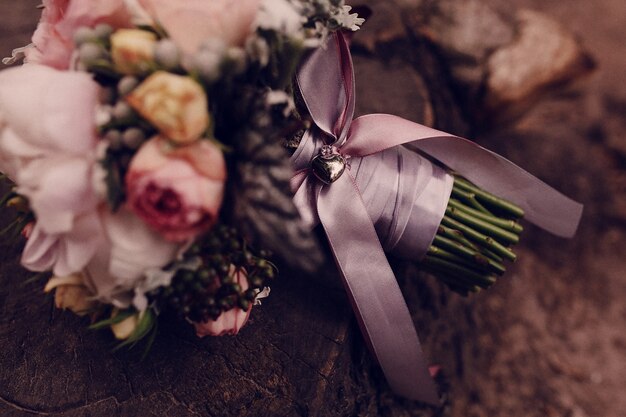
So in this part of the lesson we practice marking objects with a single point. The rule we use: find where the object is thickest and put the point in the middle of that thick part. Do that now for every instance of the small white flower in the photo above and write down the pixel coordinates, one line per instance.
(17, 54)
(261, 295)
(348, 20)
(280, 16)
(276, 97)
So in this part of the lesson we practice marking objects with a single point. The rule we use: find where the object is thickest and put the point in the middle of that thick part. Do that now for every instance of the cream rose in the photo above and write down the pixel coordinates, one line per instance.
(175, 104)
(132, 50)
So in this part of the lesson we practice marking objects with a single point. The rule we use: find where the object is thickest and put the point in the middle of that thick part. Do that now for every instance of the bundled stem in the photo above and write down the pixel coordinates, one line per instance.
(474, 238)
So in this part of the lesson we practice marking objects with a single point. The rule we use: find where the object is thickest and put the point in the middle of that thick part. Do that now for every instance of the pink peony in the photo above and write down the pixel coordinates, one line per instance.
(231, 321)
(178, 191)
(53, 40)
(51, 158)
(191, 22)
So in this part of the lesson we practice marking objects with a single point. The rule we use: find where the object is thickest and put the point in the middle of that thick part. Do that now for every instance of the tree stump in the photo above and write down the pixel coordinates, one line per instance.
(301, 354)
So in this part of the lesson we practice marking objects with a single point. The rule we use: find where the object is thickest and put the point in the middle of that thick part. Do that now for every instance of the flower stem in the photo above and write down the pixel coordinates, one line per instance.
(469, 198)
(462, 273)
(480, 238)
(485, 197)
(476, 258)
(510, 225)
(473, 239)
(482, 226)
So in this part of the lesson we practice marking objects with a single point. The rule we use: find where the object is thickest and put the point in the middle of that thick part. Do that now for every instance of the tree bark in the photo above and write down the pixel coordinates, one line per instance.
(300, 355)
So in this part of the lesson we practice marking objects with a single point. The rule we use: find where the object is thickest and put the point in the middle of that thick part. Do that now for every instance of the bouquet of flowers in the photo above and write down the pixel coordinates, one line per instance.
(160, 151)
(145, 142)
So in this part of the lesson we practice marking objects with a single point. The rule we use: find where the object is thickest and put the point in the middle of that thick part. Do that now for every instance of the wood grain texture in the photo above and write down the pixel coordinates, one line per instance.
(547, 340)
(300, 355)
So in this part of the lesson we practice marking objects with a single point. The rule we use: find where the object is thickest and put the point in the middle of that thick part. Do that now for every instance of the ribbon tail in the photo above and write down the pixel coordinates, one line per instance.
(544, 206)
(378, 302)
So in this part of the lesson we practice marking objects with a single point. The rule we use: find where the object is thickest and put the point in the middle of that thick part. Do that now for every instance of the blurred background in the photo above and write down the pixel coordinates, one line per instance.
(542, 82)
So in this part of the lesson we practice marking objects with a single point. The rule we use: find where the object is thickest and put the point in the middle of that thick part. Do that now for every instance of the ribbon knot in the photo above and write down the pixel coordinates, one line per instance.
(392, 199)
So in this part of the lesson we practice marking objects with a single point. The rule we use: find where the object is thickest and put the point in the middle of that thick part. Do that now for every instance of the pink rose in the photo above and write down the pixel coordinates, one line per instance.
(53, 40)
(178, 191)
(231, 321)
(193, 21)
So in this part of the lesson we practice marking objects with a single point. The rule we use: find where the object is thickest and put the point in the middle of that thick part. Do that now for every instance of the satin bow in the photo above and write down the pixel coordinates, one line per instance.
(326, 82)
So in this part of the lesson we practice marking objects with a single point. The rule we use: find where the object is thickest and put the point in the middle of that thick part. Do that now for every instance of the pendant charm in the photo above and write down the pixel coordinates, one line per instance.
(329, 165)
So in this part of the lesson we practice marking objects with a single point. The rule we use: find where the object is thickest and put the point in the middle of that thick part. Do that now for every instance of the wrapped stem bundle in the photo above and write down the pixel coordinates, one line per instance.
(474, 239)
(381, 185)
(144, 140)
(155, 171)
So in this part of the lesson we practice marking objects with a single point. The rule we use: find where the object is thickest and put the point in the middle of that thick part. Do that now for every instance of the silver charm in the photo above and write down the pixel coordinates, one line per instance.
(328, 165)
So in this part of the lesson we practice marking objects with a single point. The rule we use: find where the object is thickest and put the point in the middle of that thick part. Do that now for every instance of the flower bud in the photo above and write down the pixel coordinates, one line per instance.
(114, 137)
(102, 31)
(89, 53)
(208, 65)
(133, 137)
(83, 35)
(127, 84)
(231, 321)
(167, 54)
(125, 328)
(132, 50)
(71, 294)
(123, 112)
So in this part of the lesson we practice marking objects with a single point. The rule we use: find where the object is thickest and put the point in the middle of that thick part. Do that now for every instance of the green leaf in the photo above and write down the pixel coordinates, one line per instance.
(120, 317)
(146, 323)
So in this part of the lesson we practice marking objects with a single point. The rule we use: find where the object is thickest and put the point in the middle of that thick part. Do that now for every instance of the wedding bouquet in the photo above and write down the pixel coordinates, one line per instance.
(160, 151)
(146, 140)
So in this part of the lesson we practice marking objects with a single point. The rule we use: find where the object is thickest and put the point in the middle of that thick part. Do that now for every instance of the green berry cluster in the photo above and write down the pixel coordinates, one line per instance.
(211, 289)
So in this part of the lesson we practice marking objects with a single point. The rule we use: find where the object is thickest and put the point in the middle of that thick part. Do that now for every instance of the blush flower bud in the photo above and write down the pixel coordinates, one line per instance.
(229, 322)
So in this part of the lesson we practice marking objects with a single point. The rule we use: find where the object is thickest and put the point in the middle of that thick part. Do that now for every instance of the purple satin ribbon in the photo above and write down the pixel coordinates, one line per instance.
(326, 82)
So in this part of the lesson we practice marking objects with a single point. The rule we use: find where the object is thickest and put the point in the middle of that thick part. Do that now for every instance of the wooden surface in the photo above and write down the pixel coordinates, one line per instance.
(546, 341)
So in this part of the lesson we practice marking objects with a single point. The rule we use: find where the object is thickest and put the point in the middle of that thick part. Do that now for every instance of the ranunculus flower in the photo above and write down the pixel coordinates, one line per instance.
(175, 104)
(53, 40)
(132, 50)
(71, 294)
(231, 321)
(47, 143)
(192, 21)
(178, 191)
